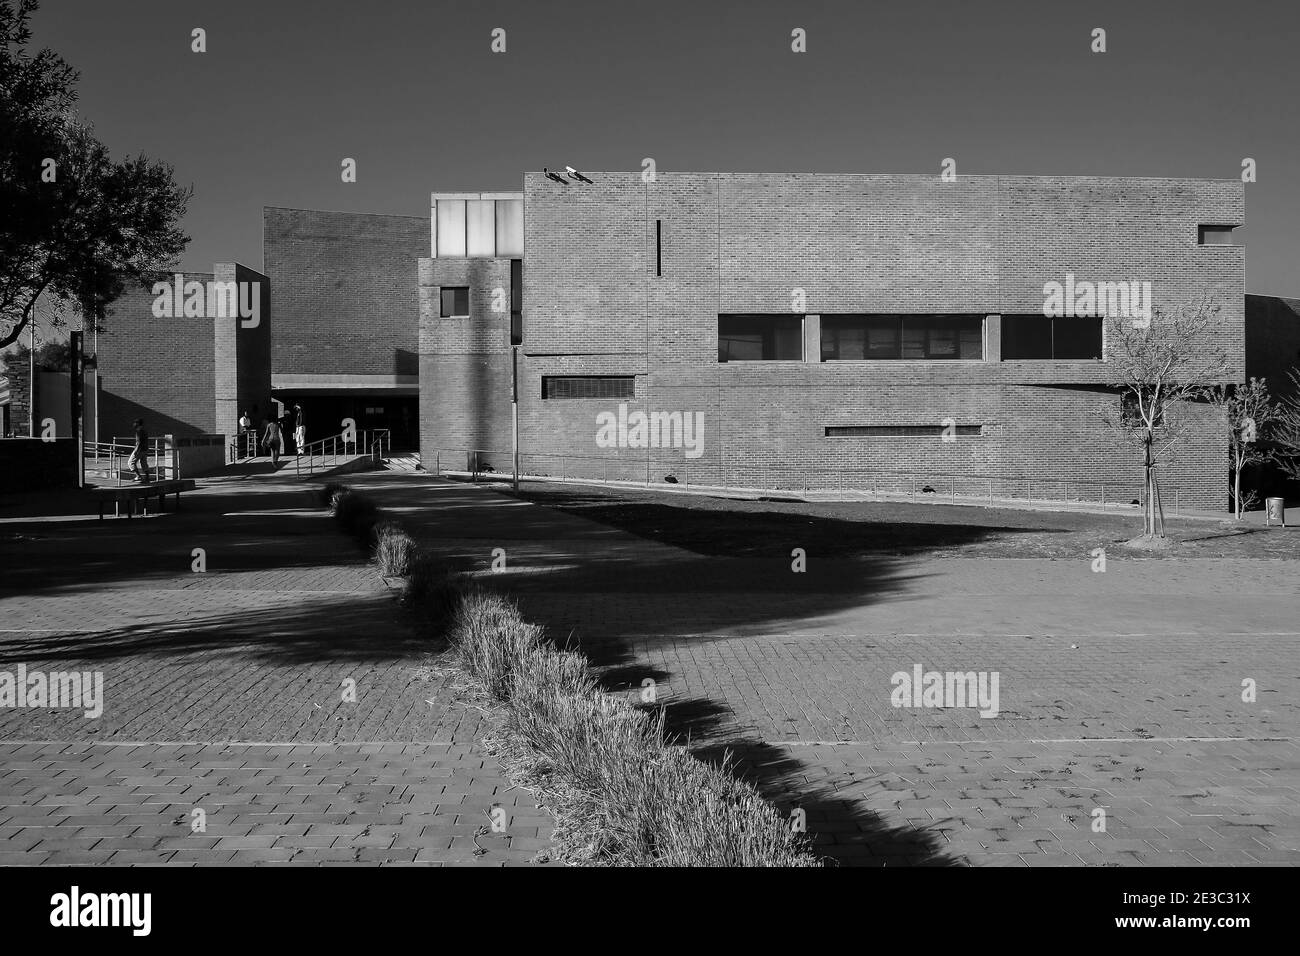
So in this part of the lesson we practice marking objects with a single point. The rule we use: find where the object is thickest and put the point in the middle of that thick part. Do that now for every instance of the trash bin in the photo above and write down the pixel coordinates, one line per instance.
(1275, 510)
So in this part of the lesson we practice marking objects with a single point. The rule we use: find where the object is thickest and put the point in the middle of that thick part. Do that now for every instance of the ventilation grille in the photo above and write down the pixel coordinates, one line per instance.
(588, 386)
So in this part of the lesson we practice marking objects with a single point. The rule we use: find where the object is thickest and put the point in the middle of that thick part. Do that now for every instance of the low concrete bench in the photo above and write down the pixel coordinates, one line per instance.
(141, 492)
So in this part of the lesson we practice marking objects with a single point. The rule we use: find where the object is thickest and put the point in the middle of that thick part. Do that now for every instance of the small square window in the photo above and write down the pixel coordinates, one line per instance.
(455, 301)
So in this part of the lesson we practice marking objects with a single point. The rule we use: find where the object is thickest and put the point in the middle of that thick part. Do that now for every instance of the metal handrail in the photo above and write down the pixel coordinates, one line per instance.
(313, 455)
(245, 442)
(160, 455)
(639, 470)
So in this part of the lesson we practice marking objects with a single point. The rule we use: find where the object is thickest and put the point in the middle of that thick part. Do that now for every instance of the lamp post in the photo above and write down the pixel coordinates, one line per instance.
(77, 368)
(31, 378)
(514, 412)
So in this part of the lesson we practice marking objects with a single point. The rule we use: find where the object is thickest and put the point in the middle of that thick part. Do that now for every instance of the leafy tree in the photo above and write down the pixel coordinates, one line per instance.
(50, 357)
(78, 231)
(1158, 368)
(1252, 418)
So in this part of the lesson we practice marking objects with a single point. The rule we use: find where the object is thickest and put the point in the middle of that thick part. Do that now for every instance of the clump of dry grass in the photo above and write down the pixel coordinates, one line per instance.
(395, 550)
(330, 491)
(621, 794)
(356, 513)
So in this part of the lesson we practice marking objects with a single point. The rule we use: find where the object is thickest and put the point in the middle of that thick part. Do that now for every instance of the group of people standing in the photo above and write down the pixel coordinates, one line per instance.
(270, 433)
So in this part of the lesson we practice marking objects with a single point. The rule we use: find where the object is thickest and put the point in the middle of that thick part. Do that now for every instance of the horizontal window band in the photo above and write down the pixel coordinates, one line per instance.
(901, 431)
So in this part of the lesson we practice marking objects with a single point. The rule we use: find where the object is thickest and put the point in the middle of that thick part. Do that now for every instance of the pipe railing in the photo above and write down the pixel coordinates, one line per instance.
(109, 461)
(932, 486)
(326, 453)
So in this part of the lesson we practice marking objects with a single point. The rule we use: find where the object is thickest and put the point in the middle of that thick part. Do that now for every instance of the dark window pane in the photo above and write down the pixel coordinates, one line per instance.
(971, 341)
(857, 337)
(913, 339)
(740, 347)
(1076, 337)
(1026, 337)
(883, 337)
(455, 300)
(942, 337)
(754, 338)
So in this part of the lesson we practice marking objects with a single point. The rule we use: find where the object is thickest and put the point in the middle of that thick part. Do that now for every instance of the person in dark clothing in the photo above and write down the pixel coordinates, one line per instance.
(299, 430)
(273, 440)
(139, 460)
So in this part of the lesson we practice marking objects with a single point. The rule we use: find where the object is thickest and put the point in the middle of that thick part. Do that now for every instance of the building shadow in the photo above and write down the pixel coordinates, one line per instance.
(595, 588)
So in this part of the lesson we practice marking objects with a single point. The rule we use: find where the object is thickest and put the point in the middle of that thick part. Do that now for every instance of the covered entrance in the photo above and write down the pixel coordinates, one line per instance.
(326, 402)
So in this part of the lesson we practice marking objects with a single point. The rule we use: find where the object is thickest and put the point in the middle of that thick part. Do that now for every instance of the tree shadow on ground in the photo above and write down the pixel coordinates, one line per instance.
(840, 827)
(335, 628)
(240, 533)
(751, 530)
(637, 588)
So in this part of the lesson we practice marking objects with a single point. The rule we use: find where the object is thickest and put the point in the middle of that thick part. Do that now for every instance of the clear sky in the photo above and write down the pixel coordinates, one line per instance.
(412, 91)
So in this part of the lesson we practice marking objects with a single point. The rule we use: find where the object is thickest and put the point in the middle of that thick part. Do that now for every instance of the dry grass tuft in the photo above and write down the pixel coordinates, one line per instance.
(620, 793)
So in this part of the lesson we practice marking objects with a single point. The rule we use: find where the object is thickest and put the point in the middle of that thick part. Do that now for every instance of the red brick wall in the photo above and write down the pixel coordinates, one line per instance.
(735, 243)
(346, 297)
(161, 370)
(465, 382)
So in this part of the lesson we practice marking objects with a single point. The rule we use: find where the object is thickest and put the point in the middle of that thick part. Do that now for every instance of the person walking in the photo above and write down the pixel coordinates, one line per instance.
(273, 441)
(139, 460)
(299, 430)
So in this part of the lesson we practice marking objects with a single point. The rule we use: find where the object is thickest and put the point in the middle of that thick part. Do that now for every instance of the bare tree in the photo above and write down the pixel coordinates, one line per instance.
(1159, 367)
(1286, 431)
(1252, 418)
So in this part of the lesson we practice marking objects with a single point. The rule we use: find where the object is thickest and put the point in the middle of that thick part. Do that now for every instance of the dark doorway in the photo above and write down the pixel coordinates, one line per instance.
(324, 415)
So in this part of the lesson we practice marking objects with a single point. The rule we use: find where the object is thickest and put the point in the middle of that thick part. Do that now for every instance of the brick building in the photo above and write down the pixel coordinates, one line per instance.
(783, 329)
(816, 328)
(346, 333)
(185, 374)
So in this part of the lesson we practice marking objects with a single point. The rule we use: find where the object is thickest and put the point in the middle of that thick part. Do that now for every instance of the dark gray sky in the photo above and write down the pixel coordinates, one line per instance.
(410, 89)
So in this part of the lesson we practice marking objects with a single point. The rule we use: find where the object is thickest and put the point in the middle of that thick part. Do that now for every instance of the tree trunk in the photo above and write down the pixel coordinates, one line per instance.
(1236, 491)
(1148, 495)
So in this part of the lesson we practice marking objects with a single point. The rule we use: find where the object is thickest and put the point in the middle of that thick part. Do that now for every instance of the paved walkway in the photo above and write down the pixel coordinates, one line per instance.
(281, 697)
(1119, 692)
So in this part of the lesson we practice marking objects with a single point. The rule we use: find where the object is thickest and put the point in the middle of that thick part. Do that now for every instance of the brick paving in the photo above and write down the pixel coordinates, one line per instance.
(1120, 691)
(226, 692)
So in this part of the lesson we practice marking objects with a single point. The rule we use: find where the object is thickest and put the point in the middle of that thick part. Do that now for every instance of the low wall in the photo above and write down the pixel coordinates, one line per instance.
(28, 464)
(199, 455)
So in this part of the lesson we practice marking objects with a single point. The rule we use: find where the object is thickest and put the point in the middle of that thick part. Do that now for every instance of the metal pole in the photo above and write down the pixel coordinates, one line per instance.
(31, 379)
(94, 339)
(514, 410)
(75, 367)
